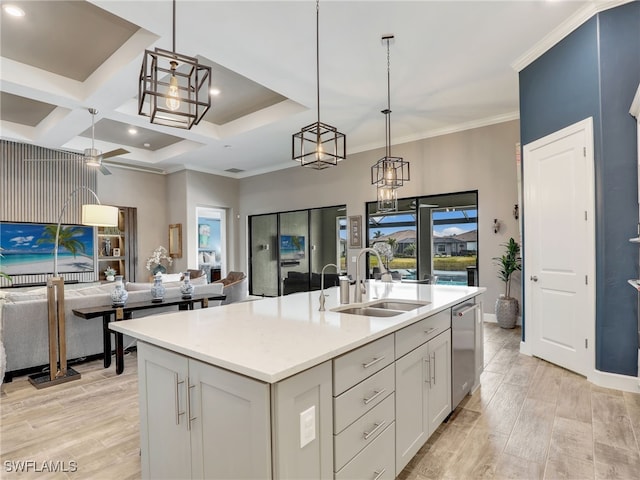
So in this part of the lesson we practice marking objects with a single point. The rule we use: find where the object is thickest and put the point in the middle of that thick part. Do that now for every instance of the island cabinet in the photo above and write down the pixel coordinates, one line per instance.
(201, 421)
(364, 412)
(423, 383)
(352, 397)
(186, 404)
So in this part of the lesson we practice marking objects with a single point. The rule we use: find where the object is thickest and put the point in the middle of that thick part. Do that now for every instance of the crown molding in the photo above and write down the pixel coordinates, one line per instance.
(564, 29)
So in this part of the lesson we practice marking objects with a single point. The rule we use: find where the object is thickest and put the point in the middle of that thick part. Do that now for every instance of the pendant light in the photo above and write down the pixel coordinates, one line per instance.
(181, 100)
(318, 145)
(389, 173)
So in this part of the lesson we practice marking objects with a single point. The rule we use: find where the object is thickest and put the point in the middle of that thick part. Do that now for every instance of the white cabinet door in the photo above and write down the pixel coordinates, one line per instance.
(230, 424)
(423, 395)
(412, 426)
(164, 439)
(439, 381)
(200, 421)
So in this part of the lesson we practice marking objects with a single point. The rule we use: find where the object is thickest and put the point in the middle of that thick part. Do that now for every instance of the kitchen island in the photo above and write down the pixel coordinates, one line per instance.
(275, 388)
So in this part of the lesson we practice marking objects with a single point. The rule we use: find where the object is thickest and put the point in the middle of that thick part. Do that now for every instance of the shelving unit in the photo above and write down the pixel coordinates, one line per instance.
(122, 240)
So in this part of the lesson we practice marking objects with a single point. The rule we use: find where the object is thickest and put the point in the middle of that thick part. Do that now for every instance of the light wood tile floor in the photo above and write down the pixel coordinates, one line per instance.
(533, 420)
(529, 420)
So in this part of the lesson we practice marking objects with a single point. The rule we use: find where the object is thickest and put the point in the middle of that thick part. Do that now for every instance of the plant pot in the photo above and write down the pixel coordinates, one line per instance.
(507, 312)
(110, 278)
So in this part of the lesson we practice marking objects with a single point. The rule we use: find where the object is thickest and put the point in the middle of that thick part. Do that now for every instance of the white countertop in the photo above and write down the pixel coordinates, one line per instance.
(274, 338)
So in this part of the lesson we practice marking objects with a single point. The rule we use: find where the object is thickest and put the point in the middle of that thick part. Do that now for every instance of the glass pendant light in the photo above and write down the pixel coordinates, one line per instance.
(389, 173)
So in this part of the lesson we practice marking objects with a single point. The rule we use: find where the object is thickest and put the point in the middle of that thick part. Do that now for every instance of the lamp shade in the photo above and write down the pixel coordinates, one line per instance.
(99, 215)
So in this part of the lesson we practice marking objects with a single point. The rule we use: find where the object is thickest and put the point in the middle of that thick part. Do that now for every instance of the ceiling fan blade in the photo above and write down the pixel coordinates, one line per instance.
(104, 170)
(114, 153)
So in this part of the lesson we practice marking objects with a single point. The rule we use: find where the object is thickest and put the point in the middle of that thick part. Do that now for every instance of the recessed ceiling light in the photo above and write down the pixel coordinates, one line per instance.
(214, 91)
(132, 131)
(13, 10)
(147, 145)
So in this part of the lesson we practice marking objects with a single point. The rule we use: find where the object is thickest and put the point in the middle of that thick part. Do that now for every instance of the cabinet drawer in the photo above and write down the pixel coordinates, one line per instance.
(376, 462)
(415, 335)
(355, 366)
(363, 431)
(361, 398)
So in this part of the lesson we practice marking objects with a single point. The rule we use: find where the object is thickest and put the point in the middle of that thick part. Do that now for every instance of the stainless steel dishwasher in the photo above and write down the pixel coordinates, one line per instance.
(463, 348)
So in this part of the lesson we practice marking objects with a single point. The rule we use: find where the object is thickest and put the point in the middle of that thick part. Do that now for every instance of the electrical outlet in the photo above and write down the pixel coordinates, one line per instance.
(307, 426)
(354, 259)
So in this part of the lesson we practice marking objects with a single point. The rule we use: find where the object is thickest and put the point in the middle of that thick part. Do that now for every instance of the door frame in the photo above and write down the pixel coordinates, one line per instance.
(585, 125)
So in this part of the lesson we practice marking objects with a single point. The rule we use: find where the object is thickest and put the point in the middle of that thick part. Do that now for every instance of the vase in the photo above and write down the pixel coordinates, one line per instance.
(119, 295)
(107, 247)
(187, 288)
(157, 290)
(159, 269)
(506, 312)
(110, 278)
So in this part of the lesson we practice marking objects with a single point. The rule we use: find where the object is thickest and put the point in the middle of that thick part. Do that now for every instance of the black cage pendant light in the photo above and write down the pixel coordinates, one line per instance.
(318, 145)
(173, 88)
(389, 173)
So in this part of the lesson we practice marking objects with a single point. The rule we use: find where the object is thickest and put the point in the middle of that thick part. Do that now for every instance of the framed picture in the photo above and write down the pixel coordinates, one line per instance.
(355, 231)
(116, 252)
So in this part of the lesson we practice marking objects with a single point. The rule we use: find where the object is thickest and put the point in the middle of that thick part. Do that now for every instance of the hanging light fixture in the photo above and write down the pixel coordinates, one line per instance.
(318, 145)
(389, 173)
(173, 88)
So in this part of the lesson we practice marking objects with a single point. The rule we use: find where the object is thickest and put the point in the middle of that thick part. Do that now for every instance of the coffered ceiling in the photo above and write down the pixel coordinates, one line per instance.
(453, 66)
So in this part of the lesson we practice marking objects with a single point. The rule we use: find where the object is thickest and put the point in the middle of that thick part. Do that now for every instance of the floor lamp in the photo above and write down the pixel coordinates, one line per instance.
(96, 215)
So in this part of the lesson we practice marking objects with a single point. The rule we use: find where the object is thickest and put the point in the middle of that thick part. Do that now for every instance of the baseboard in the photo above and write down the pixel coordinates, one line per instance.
(602, 379)
(491, 318)
(615, 381)
(524, 349)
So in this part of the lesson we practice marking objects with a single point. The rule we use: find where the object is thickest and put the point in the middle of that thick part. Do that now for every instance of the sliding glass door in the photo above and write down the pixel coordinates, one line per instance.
(289, 249)
(428, 239)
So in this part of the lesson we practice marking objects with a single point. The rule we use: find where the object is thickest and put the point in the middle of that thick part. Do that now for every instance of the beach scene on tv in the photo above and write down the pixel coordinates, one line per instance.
(27, 248)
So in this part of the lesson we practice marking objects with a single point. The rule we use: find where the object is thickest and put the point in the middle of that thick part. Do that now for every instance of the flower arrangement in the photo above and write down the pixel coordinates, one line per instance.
(385, 250)
(156, 262)
(109, 272)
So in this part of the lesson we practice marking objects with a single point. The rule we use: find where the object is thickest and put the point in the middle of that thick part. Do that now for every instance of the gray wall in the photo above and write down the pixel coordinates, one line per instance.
(480, 159)
(146, 192)
(594, 72)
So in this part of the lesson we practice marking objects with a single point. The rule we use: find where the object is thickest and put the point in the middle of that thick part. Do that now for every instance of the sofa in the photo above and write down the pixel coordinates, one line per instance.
(299, 282)
(24, 328)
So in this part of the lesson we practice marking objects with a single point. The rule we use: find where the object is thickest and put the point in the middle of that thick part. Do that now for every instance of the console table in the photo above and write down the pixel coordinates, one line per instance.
(110, 313)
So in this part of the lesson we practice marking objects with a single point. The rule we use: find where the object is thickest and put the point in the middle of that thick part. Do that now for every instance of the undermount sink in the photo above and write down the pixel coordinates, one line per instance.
(401, 305)
(382, 308)
(368, 311)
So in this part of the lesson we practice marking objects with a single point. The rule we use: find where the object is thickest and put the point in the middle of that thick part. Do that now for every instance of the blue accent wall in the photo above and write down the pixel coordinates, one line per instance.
(594, 72)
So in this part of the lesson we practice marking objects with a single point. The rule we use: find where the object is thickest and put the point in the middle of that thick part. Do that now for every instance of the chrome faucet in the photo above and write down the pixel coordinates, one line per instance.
(360, 289)
(322, 284)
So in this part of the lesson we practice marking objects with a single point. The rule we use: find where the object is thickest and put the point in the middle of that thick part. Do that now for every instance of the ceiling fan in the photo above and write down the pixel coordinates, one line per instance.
(92, 157)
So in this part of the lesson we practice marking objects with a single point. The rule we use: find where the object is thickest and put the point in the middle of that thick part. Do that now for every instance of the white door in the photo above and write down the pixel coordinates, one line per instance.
(559, 247)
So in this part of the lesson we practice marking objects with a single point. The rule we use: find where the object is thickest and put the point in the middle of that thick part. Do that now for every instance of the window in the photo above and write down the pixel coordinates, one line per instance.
(435, 235)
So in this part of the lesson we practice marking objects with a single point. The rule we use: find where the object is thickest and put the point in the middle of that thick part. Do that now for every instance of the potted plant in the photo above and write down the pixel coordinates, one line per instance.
(110, 274)
(509, 263)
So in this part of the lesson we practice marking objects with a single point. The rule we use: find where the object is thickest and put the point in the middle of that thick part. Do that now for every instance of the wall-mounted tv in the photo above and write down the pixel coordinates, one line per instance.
(291, 247)
(27, 248)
